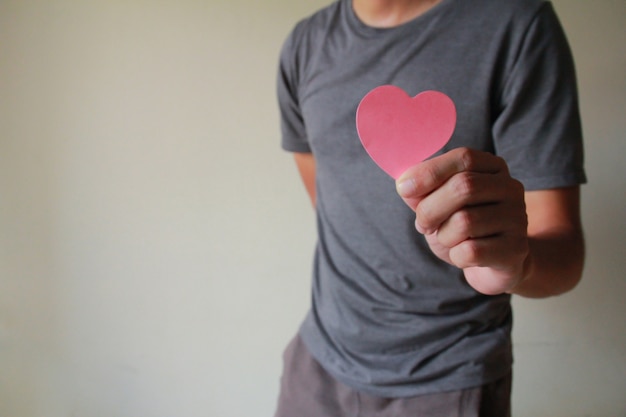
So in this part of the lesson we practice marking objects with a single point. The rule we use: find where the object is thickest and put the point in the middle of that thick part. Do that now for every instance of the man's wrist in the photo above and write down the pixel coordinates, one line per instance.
(528, 268)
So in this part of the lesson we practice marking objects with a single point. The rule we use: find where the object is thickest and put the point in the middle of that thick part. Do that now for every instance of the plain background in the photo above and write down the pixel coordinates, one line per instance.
(155, 242)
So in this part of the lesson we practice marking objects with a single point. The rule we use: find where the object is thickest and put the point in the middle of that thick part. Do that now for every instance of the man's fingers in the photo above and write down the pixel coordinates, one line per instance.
(476, 222)
(465, 189)
(429, 175)
(497, 252)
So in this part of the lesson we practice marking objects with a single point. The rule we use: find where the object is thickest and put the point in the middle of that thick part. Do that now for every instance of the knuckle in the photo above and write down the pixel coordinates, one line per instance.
(469, 252)
(467, 158)
(502, 163)
(463, 222)
(431, 175)
(463, 184)
(499, 164)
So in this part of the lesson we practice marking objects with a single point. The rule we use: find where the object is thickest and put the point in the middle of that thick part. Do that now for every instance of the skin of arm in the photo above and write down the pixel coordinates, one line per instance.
(556, 242)
(306, 167)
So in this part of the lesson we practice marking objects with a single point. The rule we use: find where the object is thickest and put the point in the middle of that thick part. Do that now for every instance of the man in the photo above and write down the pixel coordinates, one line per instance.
(412, 280)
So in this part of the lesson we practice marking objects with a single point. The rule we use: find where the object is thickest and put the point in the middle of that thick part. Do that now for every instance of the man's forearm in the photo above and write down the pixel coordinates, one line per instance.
(555, 265)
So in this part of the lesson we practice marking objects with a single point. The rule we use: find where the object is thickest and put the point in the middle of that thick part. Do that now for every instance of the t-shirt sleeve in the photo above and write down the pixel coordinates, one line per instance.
(293, 129)
(538, 129)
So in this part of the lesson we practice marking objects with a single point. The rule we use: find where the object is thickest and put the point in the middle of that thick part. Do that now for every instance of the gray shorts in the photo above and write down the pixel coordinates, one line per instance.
(307, 390)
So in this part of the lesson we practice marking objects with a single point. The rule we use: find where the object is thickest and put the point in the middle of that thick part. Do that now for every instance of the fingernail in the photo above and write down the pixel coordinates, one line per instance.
(406, 187)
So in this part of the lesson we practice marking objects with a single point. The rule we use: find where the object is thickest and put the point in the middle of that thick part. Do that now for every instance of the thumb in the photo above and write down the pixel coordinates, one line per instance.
(406, 187)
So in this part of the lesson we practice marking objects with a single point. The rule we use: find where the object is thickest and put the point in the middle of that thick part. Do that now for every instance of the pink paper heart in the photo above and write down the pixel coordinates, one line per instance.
(399, 131)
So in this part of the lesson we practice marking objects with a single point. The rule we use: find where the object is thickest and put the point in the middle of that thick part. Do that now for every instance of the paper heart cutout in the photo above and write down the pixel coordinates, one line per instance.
(399, 131)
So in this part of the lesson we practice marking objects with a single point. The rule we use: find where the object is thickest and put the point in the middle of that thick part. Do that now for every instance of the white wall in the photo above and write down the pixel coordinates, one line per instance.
(155, 243)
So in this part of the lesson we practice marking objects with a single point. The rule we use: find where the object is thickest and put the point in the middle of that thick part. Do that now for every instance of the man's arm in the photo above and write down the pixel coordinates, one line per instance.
(306, 166)
(556, 242)
(475, 216)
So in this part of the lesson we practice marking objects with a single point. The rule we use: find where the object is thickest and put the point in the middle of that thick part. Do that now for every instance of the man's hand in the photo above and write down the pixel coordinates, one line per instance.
(473, 215)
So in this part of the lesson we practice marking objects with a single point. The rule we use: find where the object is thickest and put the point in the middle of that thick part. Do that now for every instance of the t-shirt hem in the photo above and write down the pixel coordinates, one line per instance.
(412, 389)
(298, 148)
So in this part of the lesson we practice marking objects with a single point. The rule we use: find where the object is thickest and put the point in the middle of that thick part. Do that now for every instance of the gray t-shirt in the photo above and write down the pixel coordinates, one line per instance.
(387, 316)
